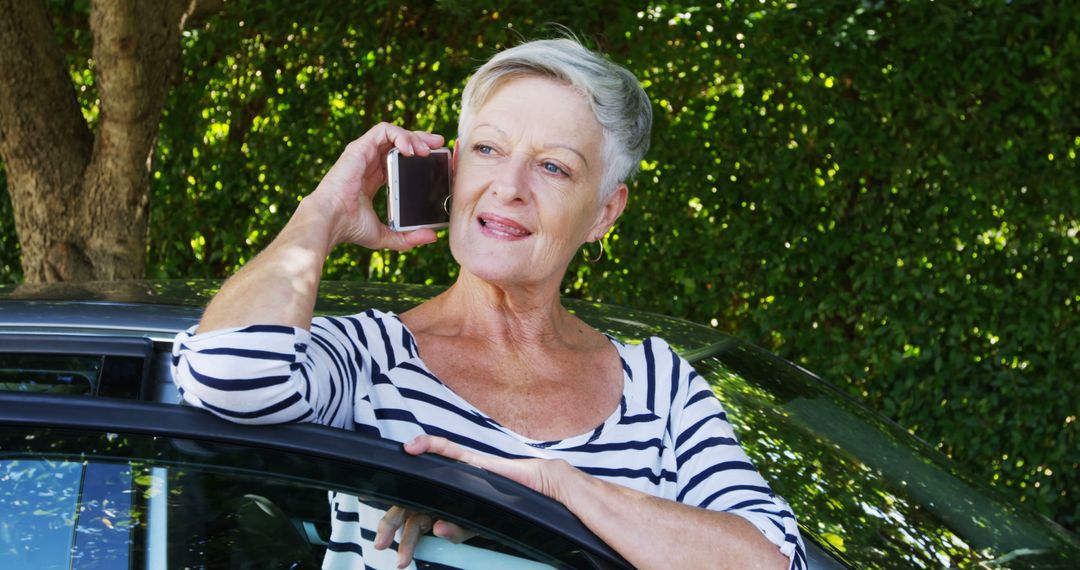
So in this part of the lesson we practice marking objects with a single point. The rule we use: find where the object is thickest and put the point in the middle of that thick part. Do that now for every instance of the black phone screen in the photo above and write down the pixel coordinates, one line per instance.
(424, 183)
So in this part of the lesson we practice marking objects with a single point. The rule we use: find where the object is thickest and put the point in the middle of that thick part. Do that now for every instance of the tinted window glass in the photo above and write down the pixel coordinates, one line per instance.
(38, 506)
(106, 513)
(58, 374)
(122, 377)
(131, 501)
(116, 367)
(865, 489)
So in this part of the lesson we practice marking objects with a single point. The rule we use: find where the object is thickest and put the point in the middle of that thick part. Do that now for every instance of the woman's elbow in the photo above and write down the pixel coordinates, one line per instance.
(241, 394)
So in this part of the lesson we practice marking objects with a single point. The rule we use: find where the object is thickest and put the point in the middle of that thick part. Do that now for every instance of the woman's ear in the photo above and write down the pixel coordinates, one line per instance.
(610, 211)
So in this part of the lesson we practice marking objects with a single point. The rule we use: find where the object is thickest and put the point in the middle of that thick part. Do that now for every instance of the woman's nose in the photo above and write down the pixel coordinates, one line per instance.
(511, 181)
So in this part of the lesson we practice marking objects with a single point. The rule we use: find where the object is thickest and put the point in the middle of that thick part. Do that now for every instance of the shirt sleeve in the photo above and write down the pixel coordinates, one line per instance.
(715, 473)
(270, 374)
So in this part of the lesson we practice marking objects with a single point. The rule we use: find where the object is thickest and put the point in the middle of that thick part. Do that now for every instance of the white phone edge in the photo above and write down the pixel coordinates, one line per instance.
(392, 215)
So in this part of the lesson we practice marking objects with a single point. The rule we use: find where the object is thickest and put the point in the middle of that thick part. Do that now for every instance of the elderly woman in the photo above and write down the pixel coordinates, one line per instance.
(494, 371)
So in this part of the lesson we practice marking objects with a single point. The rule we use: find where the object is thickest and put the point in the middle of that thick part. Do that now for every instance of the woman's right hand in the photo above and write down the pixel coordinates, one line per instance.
(347, 190)
(280, 285)
(413, 525)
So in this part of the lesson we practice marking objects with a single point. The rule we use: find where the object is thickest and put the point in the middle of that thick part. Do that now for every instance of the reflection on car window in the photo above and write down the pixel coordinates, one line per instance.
(113, 505)
(57, 374)
(877, 498)
(105, 516)
(38, 502)
(113, 366)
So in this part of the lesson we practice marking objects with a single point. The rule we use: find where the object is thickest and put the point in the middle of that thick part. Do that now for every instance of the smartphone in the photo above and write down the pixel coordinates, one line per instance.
(418, 189)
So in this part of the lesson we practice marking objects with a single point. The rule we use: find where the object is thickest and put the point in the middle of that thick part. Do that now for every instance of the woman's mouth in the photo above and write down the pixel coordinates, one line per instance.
(502, 228)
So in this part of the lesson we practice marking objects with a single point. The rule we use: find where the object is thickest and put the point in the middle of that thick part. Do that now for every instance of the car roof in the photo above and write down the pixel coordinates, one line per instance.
(160, 309)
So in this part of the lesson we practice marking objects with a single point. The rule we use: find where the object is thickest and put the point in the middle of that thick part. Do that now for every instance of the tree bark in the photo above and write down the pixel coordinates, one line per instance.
(81, 200)
(44, 142)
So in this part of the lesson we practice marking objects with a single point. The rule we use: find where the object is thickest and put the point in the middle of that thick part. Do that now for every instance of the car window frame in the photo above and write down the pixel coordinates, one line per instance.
(500, 498)
(98, 345)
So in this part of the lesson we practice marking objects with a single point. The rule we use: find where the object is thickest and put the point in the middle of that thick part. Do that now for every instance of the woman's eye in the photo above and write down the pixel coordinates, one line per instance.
(555, 169)
(483, 149)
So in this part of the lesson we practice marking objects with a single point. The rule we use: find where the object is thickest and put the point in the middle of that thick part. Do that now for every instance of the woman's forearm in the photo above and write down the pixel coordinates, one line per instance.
(651, 532)
(279, 286)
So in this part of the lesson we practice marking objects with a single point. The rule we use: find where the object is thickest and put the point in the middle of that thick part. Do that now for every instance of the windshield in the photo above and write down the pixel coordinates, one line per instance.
(862, 487)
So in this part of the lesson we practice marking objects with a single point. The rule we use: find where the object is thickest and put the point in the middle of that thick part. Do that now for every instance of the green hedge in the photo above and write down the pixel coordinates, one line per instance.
(885, 193)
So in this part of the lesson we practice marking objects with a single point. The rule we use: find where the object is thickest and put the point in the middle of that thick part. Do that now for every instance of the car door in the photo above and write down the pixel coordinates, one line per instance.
(90, 483)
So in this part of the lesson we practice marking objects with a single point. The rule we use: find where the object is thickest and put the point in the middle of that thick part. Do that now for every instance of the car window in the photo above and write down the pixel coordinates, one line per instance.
(63, 374)
(38, 502)
(874, 496)
(80, 499)
(115, 367)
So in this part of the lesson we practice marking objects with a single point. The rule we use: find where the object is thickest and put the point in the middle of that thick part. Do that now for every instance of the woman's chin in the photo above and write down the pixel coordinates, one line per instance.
(504, 271)
(499, 271)
(505, 263)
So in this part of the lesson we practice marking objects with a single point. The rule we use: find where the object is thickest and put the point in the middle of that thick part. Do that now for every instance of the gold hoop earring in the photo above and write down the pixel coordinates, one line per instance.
(446, 204)
(598, 256)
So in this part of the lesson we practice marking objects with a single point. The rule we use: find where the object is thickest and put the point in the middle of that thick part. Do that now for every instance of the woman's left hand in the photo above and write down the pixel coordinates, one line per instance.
(551, 477)
(638, 526)
(541, 475)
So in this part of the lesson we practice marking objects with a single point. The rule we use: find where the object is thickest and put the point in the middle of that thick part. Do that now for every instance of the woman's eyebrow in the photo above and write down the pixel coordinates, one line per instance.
(571, 149)
(503, 134)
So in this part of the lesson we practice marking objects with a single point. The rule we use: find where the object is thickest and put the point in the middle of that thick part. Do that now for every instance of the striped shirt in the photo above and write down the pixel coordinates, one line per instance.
(669, 436)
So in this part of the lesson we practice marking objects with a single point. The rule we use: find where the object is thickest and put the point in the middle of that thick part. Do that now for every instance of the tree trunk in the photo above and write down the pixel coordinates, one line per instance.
(80, 199)
(44, 142)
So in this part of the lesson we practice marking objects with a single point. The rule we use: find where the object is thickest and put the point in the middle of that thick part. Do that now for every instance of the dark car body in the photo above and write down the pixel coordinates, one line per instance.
(866, 493)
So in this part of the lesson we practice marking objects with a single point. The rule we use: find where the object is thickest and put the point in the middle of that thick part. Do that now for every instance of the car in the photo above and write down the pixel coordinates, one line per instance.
(99, 468)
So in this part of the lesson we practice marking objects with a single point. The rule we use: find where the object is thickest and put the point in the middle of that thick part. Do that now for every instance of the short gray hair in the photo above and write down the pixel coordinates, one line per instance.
(616, 98)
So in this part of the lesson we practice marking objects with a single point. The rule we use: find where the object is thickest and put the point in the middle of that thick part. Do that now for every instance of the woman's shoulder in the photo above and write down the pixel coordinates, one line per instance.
(645, 350)
(382, 334)
(369, 318)
(658, 374)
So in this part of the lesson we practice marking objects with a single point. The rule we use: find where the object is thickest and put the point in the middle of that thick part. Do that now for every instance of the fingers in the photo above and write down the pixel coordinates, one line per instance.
(386, 136)
(437, 445)
(422, 143)
(404, 241)
(546, 476)
(388, 526)
(446, 448)
(357, 176)
(450, 450)
(452, 532)
(415, 526)
(409, 143)
(363, 160)
(417, 238)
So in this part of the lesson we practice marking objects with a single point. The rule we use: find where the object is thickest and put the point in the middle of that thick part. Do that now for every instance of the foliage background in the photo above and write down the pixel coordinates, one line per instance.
(883, 192)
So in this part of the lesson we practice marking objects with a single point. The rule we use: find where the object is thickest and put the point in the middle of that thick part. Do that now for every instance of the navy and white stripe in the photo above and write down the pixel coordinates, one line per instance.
(669, 436)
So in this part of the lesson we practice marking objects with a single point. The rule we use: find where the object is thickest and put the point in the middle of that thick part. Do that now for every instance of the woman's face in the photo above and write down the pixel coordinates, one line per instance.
(526, 184)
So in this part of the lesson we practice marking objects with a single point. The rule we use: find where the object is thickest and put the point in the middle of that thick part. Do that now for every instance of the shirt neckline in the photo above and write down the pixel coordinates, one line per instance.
(567, 442)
